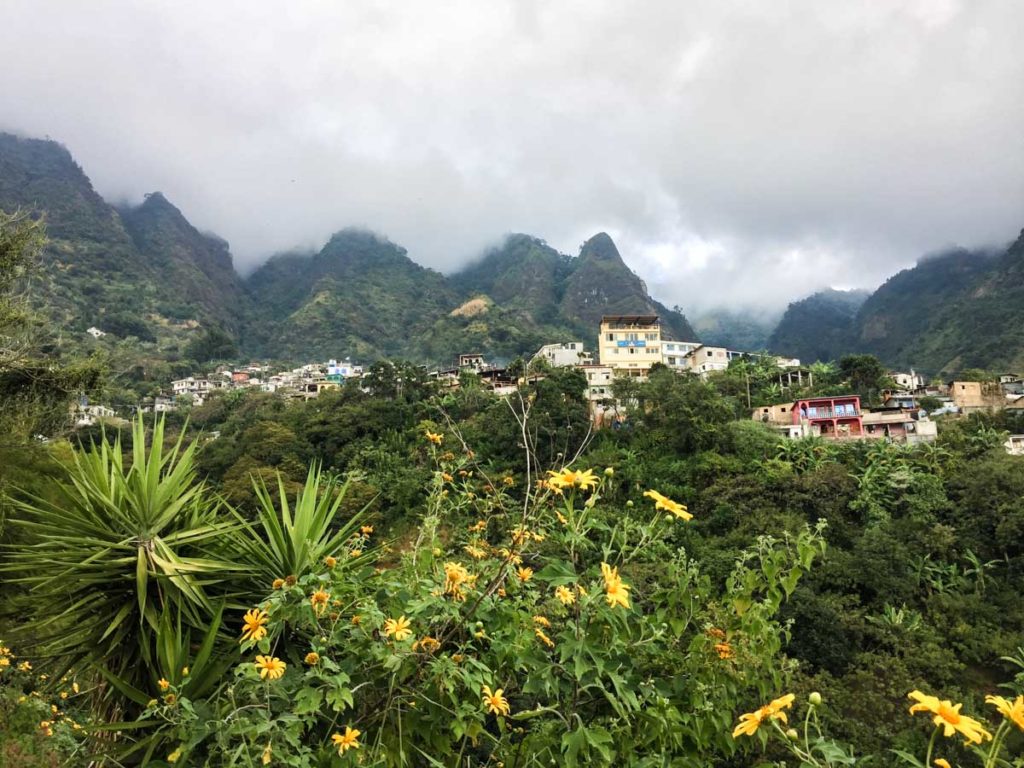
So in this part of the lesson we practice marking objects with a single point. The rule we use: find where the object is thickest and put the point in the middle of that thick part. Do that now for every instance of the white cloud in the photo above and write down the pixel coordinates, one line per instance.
(740, 152)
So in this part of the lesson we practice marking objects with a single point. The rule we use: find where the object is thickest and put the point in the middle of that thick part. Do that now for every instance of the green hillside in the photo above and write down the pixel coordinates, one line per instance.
(140, 272)
(951, 311)
(819, 327)
(360, 295)
(743, 330)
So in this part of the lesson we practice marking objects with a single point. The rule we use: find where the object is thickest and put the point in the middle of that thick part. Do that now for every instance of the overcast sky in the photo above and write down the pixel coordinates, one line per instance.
(743, 152)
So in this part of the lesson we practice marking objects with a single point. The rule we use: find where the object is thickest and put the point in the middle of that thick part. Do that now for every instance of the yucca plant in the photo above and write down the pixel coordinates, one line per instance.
(293, 539)
(116, 549)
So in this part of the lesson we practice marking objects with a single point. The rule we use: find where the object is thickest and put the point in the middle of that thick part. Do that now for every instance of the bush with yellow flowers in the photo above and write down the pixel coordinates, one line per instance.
(955, 735)
(546, 628)
(40, 719)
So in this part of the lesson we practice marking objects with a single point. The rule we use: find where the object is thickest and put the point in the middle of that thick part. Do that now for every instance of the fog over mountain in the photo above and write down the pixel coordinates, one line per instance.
(738, 153)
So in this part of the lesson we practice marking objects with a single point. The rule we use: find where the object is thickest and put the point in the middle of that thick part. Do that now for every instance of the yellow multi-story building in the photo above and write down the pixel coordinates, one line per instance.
(630, 344)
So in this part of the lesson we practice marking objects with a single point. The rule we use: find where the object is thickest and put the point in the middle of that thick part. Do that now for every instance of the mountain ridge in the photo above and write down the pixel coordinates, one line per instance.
(144, 271)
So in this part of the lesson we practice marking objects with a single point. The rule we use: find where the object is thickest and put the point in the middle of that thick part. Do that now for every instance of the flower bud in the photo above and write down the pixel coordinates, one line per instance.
(629, 505)
(609, 471)
(815, 699)
(792, 735)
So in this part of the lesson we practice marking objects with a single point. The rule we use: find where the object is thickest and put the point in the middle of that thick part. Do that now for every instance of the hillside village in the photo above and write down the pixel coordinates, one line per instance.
(629, 347)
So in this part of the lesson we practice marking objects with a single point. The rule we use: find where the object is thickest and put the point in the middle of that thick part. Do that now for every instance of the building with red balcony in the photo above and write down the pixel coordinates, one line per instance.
(832, 417)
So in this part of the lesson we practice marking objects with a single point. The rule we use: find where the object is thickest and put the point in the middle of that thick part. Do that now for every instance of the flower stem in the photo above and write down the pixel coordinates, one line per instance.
(997, 744)
(931, 746)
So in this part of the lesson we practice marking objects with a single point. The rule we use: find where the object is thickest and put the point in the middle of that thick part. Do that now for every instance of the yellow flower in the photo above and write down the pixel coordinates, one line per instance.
(947, 715)
(356, 620)
(543, 638)
(399, 628)
(24, 666)
(617, 594)
(330, 562)
(662, 502)
(524, 574)
(270, 667)
(942, 763)
(565, 595)
(74, 687)
(319, 600)
(170, 700)
(427, 644)
(268, 755)
(278, 583)
(164, 685)
(455, 575)
(724, 650)
(173, 757)
(366, 530)
(750, 722)
(254, 629)
(616, 591)
(312, 658)
(348, 740)
(542, 621)
(568, 478)
(434, 437)
(4, 661)
(1011, 710)
(446, 477)
(495, 702)
(475, 552)
(355, 553)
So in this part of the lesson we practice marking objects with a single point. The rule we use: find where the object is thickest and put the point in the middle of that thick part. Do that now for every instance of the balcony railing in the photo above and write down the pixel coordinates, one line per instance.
(829, 413)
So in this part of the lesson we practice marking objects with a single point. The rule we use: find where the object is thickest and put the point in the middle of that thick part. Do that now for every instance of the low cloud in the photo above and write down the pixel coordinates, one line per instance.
(740, 153)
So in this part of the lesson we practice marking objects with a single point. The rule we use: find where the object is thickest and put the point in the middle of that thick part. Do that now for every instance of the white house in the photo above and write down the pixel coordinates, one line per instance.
(563, 355)
(673, 353)
(95, 332)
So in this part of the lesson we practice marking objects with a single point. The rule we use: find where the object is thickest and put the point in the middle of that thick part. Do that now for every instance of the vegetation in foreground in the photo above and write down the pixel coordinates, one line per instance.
(522, 619)
(149, 617)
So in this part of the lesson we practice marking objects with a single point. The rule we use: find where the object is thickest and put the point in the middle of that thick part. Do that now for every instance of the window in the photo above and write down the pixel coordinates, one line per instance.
(709, 353)
(651, 336)
(671, 361)
(610, 336)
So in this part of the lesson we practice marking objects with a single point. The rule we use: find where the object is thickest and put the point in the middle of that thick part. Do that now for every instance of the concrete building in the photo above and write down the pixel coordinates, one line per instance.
(193, 386)
(909, 381)
(85, 415)
(1014, 445)
(563, 355)
(977, 396)
(473, 361)
(674, 354)
(704, 360)
(899, 426)
(630, 344)
(339, 371)
(774, 414)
